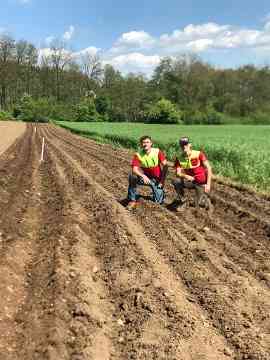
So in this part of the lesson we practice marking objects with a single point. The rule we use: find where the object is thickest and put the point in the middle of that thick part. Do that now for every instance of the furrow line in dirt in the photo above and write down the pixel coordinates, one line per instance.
(56, 321)
(234, 302)
(257, 225)
(15, 172)
(41, 334)
(85, 144)
(18, 252)
(160, 267)
(92, 323)
(248, 201)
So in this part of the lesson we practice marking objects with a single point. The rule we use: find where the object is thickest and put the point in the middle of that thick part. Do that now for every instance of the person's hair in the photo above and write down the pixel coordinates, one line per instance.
(184, 140)
(145, 137)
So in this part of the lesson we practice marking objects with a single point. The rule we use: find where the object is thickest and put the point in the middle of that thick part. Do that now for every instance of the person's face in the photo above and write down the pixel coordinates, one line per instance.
(146, 144)
(186, 149)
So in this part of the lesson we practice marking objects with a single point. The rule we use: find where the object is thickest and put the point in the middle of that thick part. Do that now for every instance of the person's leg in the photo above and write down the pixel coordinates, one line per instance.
(133, 181)
(199, 198)
(202, 198)
(179, 186)
(158, 193)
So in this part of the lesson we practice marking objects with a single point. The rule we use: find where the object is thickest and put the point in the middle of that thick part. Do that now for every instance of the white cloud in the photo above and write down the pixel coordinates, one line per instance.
(134, 62)
(134, 40)
(200, 38)
(197, 38)
(267, 25)
(192, 33)
(91, 50)
(84, 53)
(139, 51)
(199, 45)
(69, 33)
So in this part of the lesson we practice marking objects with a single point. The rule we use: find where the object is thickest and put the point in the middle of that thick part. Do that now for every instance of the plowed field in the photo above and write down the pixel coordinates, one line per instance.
(9, 132)
(83, 278)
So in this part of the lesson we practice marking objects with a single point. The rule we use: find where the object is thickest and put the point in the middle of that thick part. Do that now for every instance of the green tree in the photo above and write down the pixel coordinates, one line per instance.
(164, 112)
(86, 111)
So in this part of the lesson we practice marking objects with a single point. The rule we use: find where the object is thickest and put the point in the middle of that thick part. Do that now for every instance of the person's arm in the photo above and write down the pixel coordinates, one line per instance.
(164, 171)
(136, 170)
(207, 187)
(181, 173)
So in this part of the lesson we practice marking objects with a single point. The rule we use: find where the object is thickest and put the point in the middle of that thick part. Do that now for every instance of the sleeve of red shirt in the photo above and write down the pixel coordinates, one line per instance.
(135, 161)
(161, 156)
(202, 156)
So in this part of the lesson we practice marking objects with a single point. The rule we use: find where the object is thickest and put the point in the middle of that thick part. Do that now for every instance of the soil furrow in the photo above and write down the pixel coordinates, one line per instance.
(17, 252)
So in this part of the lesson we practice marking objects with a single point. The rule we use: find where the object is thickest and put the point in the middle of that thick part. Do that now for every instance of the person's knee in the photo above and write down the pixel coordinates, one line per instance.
(177, 183)
(132, 179)
(199, 190)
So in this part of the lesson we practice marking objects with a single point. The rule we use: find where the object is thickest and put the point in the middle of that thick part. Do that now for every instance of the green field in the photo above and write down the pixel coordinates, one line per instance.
(239, 152)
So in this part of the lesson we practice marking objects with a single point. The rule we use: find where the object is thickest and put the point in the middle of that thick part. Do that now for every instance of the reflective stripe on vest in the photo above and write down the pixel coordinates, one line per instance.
(149, 160)
(186, 163)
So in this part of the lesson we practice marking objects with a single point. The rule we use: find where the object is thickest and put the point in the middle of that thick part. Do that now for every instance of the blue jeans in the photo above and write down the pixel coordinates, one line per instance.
(133, 181)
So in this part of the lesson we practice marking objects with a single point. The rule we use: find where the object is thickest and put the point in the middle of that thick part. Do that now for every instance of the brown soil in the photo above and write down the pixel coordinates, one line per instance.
(83, 278)
(9, 132)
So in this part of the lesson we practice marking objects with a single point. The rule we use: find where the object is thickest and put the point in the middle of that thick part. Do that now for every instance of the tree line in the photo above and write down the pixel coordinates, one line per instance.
(185, 89)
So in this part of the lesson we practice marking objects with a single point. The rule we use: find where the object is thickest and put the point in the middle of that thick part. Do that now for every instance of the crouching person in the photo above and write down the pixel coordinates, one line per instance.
(193, 171)
(149, 167)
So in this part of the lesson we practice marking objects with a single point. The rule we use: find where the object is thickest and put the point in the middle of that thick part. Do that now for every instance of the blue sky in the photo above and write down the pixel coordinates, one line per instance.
(134, 35)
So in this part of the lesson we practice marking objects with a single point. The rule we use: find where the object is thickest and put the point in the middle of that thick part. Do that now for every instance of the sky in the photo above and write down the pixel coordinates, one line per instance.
(135, 35)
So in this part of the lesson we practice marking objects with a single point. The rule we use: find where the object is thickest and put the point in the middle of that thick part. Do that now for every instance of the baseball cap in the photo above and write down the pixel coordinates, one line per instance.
(184, 141)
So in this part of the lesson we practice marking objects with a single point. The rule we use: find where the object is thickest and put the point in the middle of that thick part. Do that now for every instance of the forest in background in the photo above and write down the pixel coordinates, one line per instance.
(184, 90)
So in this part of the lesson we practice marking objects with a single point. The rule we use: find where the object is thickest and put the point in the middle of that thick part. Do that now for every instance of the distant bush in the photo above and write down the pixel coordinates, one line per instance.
(4, 115)
(116, 114)
(25, 109)
(208, 117)
(62, 112)
(31, 110)
(86, 111)
(258, 118)
(163, 112)
(103, 105)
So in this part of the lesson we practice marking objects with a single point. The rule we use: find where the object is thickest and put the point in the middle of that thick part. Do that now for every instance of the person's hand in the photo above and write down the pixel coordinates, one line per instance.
(189, 178)
(207, 188)
(146, 179)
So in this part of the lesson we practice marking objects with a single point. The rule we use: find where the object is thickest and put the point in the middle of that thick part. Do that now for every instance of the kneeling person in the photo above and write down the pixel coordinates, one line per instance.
(149, 167)
(193, 171)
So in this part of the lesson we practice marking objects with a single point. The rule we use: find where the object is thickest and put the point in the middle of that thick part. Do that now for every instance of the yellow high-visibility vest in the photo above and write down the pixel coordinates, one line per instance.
(186, 162)
(148, 160)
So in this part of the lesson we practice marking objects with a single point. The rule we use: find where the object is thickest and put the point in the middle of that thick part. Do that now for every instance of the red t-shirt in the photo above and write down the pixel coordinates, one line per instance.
(152, 172)
(199, 173)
